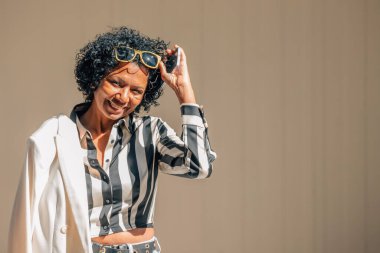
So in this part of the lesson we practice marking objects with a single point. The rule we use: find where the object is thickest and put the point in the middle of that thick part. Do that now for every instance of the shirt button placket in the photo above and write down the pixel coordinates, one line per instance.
(92, 162)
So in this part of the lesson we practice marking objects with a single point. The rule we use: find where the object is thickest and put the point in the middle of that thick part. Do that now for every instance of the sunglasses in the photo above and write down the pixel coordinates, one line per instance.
(128, 54)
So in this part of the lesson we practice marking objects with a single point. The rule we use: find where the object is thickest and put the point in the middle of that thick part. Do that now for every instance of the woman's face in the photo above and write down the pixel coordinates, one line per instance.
(121, 91)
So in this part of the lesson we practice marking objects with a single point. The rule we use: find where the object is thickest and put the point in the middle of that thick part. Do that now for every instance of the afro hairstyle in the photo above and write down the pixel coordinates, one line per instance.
(96, 60)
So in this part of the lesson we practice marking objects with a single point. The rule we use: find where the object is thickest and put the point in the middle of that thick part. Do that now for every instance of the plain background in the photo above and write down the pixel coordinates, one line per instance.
(291, 91)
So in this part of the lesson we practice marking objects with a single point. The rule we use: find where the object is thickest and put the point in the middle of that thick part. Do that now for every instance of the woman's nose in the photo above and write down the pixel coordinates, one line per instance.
(125, 94)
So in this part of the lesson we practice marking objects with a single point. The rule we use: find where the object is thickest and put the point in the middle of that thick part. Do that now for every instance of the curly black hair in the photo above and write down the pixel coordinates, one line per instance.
(96, 60)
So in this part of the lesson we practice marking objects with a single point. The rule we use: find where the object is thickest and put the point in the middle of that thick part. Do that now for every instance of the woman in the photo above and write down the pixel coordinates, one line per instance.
(89, 180)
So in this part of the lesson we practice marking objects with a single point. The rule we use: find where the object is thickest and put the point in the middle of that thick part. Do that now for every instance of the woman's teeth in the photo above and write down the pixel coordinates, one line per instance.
(115, 105)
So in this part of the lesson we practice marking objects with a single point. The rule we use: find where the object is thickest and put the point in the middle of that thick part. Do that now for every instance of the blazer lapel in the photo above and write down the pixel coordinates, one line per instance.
(73, 173)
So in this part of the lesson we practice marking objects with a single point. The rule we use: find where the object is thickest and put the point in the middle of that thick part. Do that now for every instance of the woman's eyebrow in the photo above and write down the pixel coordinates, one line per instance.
(118, 79)
(140, 86)
(124, 82)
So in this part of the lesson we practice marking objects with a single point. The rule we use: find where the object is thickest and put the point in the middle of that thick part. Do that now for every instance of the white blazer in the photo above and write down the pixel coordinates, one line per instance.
(50, 212)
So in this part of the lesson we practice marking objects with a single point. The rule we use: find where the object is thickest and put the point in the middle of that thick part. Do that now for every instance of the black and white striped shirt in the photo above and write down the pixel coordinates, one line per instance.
(121, 194)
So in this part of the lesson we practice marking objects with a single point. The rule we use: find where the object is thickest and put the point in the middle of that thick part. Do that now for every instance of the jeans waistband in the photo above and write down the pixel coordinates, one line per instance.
(149, 246)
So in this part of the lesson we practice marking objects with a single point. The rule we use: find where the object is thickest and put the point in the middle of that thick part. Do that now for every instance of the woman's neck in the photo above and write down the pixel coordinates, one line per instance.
(95, 122)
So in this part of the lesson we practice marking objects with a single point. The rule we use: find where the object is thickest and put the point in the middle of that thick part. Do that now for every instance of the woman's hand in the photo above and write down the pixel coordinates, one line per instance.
(179, 79)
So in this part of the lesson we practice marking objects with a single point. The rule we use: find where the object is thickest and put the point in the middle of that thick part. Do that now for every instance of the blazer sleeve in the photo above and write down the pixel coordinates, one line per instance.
(190, 155)
(34, 177)
(20, 230)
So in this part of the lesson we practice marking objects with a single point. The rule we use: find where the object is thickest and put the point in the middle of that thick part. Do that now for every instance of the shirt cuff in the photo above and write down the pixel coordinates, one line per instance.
(192, 114)
(193, 104)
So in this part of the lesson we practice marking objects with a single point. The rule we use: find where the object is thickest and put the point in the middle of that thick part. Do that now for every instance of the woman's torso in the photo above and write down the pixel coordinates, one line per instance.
(131, 236)
(134, 235)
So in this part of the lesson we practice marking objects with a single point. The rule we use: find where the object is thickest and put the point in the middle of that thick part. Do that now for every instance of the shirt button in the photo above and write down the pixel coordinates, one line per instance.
(64, 229)
(105, 177)
(107, 160)
(105, 227)
(107, 201)
(112, 141)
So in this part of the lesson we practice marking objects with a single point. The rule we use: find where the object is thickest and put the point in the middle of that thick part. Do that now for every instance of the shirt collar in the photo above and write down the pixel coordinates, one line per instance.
(128, 122)
(82, 130)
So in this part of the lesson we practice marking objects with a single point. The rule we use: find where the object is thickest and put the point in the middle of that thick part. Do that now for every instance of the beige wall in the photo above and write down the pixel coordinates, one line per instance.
(291, 90)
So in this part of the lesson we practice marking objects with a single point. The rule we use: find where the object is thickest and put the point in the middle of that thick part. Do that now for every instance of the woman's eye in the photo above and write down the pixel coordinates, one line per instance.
(115, 83)
(138, 92)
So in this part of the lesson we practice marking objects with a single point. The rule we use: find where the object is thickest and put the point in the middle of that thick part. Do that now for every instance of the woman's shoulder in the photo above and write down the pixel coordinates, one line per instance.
(47, 129)
(42, 142)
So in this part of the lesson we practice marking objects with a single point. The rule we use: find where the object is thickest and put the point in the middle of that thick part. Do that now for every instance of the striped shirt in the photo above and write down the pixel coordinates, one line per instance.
(121, 194)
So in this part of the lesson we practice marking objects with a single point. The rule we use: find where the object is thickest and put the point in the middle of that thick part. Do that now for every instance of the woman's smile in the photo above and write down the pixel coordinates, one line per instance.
(119, 93)
(115, 106)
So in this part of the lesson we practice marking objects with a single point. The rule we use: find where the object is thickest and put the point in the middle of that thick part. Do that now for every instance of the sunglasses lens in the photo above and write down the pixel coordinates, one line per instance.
(124, 53)
(150, 59)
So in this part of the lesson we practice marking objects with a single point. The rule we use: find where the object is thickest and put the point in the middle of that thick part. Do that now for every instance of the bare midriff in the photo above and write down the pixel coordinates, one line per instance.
(131, 236)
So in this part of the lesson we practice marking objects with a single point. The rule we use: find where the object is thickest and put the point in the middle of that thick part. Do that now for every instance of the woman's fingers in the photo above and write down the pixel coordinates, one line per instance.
(165, 76)
(179, 79)
(178, 71)
(162, 68)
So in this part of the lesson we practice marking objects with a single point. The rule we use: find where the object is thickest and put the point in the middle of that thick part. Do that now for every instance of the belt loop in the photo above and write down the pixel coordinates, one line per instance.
(130, 248)
(102, 249)
(158, 244)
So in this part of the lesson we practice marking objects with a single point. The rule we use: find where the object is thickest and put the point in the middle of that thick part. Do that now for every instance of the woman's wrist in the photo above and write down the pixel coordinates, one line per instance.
(186, 95)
